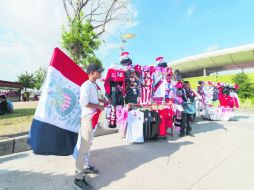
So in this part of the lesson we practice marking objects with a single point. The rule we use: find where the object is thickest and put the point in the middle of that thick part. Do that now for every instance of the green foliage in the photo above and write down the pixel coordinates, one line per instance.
(252, 100)
(80, 41)
(27, 80)
(39, 76)
(246, 88)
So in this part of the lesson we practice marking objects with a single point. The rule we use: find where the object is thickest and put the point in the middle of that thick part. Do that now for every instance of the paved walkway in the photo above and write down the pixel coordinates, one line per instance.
(219, 157)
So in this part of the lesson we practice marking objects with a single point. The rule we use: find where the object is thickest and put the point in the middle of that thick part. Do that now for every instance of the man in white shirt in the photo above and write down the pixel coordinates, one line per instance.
(89, 102)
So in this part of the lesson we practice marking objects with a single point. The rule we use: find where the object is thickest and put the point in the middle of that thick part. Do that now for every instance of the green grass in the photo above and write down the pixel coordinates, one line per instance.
(16, 123)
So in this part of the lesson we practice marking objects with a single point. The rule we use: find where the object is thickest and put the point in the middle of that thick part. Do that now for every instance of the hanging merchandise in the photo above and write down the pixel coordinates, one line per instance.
(147, 125)
(228, 96)
(132, 86)
(154, 125)
(135, 126)
(159, 84)
(166, 117)
(121, 119)
(169, 84)
(115, 86)
(125, 60)
(146, 84)
(160, 62)
(150, 125)
(112, 117)
(210, 94)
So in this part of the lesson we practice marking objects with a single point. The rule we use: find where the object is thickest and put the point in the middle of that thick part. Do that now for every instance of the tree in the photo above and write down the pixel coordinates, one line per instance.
(39, 76)
(87, 21)
(99, 13)
(246, 88)
(80, 41)
(27, 80)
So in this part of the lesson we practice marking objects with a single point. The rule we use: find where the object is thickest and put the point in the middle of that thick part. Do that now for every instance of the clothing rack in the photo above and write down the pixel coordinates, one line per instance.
(153, 106)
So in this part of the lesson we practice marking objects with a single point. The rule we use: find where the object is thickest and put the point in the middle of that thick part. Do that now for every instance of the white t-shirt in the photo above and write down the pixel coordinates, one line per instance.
(135, 122)
(88, 94)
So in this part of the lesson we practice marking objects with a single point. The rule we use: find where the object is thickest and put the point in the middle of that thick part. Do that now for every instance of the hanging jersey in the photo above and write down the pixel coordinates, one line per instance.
(132, 95)
(166, 117)
(116, 93)
(146, 85)
(138, 69)
(132, 87)
(115, 76)
(155, 121)
(159, 84)
(135, 126)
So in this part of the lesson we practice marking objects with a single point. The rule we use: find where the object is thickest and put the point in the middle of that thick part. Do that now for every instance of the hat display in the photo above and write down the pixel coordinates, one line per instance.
(125, 60)
(160, 62)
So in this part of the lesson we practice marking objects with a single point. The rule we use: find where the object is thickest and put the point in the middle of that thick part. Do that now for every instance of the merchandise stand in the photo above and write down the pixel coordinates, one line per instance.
(217, 100)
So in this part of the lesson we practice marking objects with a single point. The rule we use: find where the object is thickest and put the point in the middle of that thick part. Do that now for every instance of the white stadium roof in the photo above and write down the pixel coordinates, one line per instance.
(241, 57)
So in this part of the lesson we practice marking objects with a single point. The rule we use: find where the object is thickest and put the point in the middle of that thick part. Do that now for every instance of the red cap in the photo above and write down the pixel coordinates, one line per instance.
(124, 53)
(159, 59)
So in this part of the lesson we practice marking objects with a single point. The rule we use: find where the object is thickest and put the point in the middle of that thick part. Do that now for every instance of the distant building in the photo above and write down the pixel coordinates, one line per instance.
(237, 58)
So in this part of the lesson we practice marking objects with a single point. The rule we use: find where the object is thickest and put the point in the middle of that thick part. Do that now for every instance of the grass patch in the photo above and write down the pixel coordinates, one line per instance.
(16, 123)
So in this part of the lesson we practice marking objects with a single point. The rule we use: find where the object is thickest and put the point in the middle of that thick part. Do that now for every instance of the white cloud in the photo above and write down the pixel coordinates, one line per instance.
(30, 29)
(117, 28)
(190, 11)
(212, 48)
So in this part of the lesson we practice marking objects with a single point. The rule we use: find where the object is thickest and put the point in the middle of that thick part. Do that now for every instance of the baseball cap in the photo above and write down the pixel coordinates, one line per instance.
(94, 67)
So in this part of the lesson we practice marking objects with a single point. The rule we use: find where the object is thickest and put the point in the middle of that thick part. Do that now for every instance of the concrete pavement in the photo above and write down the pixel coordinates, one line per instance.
(219, 157)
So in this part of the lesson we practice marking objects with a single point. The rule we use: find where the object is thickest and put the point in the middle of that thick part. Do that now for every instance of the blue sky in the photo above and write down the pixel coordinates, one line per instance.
(179, 28)
(30, 29)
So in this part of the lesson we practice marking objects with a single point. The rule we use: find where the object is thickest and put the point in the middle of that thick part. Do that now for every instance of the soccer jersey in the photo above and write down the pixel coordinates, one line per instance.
(166, 117)
(146, 85)
(117, 76)
(132, 87)
(159, 83)
(116, 93)
(135, 126)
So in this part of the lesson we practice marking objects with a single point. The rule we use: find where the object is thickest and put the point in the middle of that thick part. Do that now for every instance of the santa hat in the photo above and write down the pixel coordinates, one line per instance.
(236, 86)
(124, 55)
(159, 59)
(125, 60)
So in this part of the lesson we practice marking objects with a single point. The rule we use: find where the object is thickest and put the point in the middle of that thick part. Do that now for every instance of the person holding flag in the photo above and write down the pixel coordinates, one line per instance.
(90, 110)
